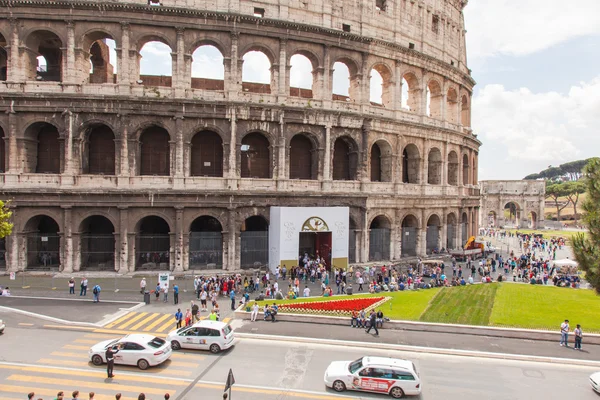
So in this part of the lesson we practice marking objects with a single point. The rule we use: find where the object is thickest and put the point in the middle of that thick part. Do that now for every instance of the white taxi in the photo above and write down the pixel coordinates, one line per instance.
(2, 326)
(595, 382)
(136, 349)
(374, 374)
(204, 335)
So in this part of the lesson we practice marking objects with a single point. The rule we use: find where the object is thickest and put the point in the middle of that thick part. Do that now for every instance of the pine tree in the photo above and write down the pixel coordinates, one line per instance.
(587, 247)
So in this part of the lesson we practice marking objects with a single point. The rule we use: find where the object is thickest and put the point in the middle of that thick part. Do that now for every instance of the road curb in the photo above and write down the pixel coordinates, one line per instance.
(426, 350)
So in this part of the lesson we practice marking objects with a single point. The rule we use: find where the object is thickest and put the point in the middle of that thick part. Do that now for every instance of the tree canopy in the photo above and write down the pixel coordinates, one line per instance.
(587, 247)
(570, 171)
(5, 225)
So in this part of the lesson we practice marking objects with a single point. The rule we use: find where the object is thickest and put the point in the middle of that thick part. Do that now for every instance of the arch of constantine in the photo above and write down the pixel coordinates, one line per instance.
(512, 204)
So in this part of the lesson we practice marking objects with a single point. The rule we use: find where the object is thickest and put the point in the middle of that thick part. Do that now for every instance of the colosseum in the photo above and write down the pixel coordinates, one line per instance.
(108, 166)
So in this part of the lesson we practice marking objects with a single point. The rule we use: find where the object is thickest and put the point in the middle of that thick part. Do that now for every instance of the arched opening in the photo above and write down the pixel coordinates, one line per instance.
(45, 56)
(464, 228)
(379, 239)
(206, 243)
(465, 113)
(341, 82)
(451, 231)
(155, 64)
(452, 106)
(434, 167)
(302, 158)
(434, 100)
(533, 220)
(301, 77)
(3, 165)
(255, 156)
(452, 168)
(410, 232)
(410, 164)
(345, 159)
(410, 92)
(254, 239)
(512, 215)
(465, 170)
(256, 72)
(492, 219)
(3, 252)
(43, 243)
(207, 154)
(3, 59)
(153, 244)
(433, 235)
(42, 149)
(155, 152)
(102, 57)
(99, 151)
(376, 88)
(381, 162)
(352, 242)
(208, 70)
(381, 87)
(97, 244)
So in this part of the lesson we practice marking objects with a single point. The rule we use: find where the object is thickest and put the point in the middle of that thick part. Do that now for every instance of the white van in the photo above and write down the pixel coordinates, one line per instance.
(204, 335)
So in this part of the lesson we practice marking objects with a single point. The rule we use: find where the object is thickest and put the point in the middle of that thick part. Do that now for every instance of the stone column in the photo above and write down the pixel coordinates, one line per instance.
(67, 259)
(444, 177)
(68, 151)
(14, 61)
(178, 267)
(123, 61)
(364, 236)
(12, 253)
(179, 78)
(124, 153)
(422, 235)
(69, 71)
(178, 146)
(14, 165)
(280, 167)
(231, 242)
(284, 78)
(326, 92)
(397, 87)
(122, 246)
(444, 230)
(327, 157)
(233, 79)
(76, 239)
(425, 163)
(232, 171)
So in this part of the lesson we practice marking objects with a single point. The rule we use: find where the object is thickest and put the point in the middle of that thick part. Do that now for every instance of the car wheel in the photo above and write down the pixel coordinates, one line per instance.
(143, 364)
(97, 360)
(214, 348)
(396, 393)
(175, 345)
(339, 386)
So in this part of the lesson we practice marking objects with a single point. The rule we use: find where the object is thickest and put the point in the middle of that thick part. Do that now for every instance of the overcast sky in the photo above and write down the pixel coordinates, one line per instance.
(537, 99)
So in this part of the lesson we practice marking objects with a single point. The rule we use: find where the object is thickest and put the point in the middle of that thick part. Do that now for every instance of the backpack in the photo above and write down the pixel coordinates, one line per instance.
(95, 290)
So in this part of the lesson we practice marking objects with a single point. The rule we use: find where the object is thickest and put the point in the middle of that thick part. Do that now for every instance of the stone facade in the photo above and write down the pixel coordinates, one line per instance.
(119, 171)
(528, 198)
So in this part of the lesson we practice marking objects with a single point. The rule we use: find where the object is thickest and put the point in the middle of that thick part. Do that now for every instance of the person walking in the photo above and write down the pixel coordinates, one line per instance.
(254, 312)
(179, 318)
(72, 285)
(176, 294)
(564, 333)
(578, 336)
(96, 292)
(143, 285)
(373, 323)
(157, 291)
(232, 297)
(165, 294)
(110, 360)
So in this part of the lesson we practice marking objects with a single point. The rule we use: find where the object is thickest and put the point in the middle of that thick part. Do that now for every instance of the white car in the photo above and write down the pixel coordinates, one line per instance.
(204, 335)
(374, 374)
(135, 349)
(2, 326)
(595, 382)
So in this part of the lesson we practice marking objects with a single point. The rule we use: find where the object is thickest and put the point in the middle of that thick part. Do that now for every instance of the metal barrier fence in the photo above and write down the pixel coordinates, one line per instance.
(43, 251)
(379, 244)
(206, 250)
(409, 241)
(254, 249)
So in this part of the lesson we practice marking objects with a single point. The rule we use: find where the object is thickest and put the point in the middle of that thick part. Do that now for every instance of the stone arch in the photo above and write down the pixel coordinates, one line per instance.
(434, 99)
(410, 236)
(303, 160)
(411, 92)
(465, 170)
(387, 84)
(352, 90)
(453, 168)
(264, 83)
(155, 153)
(206, 154)
(42, 149)
(211, 75)
(452, 106)
(381, 160)
(256, 156)
(206, 243)
(345, 159)
(156, 36)
(301, 77)
(451, 230)
(411, 161)
(97, 243)
(150, 76)
(512, 213)
(434, 166)
(98, 150)
(380, 238)
(434, 226)
(153, 243)
(219, 45)
(42, 234)
(465, 111)
(95, 48)
(3, 57)
(44, 44)
(533, 219)
(254, 242)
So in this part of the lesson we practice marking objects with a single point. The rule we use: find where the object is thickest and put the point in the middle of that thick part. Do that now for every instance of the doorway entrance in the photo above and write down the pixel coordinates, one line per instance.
(316, 244)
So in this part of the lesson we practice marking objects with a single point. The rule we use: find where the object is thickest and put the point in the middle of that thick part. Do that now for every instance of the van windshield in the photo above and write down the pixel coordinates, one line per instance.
(226, 329)
(355, 365)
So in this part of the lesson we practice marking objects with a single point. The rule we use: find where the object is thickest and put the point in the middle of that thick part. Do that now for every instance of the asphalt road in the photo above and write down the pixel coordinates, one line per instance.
(263, 370)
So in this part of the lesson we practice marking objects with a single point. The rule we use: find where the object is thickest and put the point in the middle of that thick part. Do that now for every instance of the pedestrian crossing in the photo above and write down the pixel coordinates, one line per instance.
(146, 322)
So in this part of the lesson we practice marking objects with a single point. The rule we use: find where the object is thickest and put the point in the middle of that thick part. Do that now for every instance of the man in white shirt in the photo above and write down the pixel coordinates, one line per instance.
(306, 291)
(254, 312)
(564, 333)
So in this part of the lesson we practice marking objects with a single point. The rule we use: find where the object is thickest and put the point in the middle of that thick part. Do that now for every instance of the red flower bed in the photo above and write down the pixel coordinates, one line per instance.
(339, 306)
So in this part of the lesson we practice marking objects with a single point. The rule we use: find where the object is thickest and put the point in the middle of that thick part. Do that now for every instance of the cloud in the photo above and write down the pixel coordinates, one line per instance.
(524, 132)
(156, 59)
(521, 27)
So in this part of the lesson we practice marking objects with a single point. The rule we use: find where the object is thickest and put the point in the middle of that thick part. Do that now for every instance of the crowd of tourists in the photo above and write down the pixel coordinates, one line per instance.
(76, 395)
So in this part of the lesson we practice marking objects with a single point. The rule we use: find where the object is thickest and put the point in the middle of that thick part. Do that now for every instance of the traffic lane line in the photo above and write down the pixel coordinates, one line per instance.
(159, 369)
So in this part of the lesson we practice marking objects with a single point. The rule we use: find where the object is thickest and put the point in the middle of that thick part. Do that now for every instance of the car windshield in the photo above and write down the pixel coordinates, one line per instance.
(111, 344)
(182, 329)
(355, 365)
(226, 329)
(156, 342)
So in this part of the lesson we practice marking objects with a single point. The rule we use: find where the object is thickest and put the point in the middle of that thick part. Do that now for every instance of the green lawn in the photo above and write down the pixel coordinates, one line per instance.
(568, 235)
(406, 305)
(469, 305)
(545, 307)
